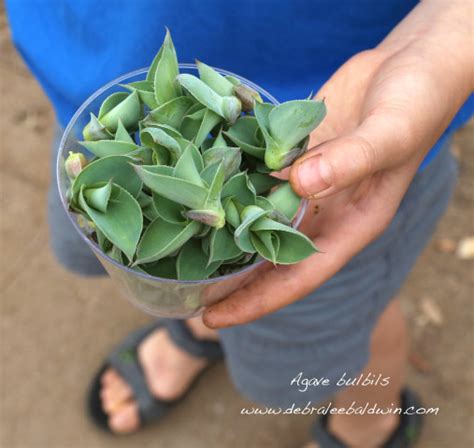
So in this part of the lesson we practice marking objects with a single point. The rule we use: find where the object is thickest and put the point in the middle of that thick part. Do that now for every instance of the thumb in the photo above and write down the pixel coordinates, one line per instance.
(332, 166)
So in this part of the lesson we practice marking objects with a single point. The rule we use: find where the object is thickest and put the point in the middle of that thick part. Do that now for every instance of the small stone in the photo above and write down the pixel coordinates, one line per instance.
(465, 249)
(421, 321)
(431, 311)
(446, 245)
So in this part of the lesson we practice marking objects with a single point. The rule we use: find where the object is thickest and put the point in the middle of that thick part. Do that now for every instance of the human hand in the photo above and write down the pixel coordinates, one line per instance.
(386, 109)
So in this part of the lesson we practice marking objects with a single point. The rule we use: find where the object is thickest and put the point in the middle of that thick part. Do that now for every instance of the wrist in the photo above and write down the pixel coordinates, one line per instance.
(437, 36)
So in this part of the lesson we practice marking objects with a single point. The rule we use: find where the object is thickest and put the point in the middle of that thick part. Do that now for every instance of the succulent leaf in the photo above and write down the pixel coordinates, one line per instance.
(285, 200)
(162, 238)
(227, 107)
(291, 122)
(103, 148)
(263, 182)
(128, 110)
(117, 168)
(158, 138)
(293, 246)
(285, 126)
(209, 217)
(230, 157)
(266, 244)
(122, 221)
(111, 102)
(219, 141)
(208, 123)
(95, 130)
(169, 210)
(242, 234)
(170, 113)
(272, 240)
(192, 262)
(98, 197)
(240, 188)
(232, 213)
(173, 188)
(244, 134)
(120, 145)
(166, 87)
(215, 80)
(145, 90)
(163, 268)
(222, 246)
(186, 168)
(143, 155)
(122, 135)
(211, 213)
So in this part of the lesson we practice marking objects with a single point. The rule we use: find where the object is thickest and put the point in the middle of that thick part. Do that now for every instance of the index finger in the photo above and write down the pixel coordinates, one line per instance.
(276, 288)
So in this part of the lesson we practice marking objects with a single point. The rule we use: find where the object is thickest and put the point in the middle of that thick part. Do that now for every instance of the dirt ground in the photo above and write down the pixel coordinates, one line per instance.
(56, 327)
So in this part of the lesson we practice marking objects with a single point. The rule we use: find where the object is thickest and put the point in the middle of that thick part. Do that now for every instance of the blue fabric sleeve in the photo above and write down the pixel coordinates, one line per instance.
(289, 48)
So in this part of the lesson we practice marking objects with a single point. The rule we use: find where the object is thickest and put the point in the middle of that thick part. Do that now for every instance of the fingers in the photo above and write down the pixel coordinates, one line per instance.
(381, 142)
(342, 235)
(252, 300)
(279, 286)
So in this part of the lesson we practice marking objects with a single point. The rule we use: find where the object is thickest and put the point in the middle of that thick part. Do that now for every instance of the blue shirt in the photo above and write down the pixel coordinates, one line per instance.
(290, 48)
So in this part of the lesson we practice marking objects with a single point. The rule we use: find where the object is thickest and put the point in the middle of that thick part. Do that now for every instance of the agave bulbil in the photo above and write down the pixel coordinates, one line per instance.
(179, 180)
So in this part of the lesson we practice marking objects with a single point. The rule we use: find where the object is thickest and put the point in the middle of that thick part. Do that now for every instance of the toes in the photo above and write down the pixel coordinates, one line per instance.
(120, 387)
(114, 391)
(125, 420)
(111, 401)
(116, 396)
(109, 376)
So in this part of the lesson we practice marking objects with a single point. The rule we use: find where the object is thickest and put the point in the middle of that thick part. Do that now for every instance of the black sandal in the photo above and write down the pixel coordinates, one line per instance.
(405, 436)
(124, 360)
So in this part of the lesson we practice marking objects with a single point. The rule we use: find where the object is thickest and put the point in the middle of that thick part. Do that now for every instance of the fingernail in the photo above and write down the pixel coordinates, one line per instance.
(314, 175)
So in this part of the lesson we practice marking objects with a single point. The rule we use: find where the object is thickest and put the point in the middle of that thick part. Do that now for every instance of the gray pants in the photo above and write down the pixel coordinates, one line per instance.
(326, 334)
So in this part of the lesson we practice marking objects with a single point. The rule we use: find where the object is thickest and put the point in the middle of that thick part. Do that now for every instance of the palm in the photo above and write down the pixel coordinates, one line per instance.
(357, 214)
(383, 115)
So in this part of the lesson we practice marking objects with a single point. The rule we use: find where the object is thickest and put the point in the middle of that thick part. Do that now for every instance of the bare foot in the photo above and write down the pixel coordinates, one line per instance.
(168, 369)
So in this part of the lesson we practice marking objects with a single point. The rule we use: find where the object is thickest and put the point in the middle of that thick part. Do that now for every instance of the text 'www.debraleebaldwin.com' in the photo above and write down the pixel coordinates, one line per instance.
(303, 384)
(353, 409)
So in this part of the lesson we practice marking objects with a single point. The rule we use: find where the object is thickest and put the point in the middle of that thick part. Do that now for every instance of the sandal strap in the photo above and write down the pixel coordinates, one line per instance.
(323, 437)
(410, 425)
(183, 338)
(404, 436)
(124, 360)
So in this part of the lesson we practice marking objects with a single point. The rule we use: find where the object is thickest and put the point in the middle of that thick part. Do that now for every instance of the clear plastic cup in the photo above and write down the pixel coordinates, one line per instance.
(156, 296)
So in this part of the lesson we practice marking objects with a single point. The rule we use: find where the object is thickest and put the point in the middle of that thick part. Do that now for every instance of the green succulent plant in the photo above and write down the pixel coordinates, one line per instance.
(175, 179)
